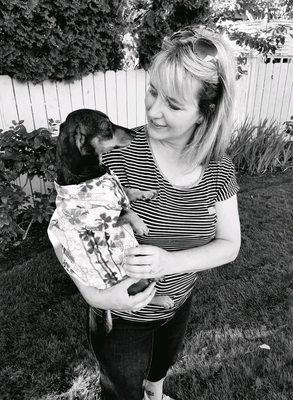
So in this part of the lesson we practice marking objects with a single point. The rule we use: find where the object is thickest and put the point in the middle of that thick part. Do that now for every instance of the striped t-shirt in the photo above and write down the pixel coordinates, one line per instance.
(178, 218)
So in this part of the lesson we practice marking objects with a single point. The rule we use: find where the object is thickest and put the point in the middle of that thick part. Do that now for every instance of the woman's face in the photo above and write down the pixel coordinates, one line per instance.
(170, 120)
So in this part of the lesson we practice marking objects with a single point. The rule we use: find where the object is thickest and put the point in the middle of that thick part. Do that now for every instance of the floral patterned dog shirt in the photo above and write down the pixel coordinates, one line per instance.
(84, 223)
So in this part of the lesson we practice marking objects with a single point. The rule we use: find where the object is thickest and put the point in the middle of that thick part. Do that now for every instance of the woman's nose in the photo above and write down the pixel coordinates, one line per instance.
(154, 107)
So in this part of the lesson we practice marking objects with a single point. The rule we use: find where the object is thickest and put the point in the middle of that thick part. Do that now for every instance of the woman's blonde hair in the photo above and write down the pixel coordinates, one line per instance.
(175, 72)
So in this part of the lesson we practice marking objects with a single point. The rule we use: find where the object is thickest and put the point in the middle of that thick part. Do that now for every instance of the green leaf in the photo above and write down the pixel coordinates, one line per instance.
(37, 142)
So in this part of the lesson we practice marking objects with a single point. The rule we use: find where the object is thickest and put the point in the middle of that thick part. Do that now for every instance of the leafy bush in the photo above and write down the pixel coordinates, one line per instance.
(31, 154)
(261, 148)
(53, 39)
(150, 21)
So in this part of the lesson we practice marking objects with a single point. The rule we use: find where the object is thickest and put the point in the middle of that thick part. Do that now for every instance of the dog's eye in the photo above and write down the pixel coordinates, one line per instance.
(105, 125)
(105, 128)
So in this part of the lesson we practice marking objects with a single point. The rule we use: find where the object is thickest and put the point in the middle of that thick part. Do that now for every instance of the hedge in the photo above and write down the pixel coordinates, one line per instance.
(60, 39)
(158, 18)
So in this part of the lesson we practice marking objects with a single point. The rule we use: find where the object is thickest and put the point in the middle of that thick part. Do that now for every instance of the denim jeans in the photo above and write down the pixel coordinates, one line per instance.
(134, 351)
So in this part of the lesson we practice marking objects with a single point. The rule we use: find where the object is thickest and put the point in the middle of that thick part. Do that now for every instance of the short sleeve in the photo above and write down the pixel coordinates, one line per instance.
(115, 160)
(227, 185)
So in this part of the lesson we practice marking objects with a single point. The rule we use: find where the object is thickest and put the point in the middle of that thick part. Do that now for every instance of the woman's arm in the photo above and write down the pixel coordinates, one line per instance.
(151, 261)
(114, 298)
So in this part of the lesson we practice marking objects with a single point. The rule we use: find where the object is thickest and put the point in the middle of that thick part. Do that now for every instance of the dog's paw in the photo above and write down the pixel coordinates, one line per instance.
(163, 301)
(148, 195)
(141, 229)
(168, 303)
(137, 194)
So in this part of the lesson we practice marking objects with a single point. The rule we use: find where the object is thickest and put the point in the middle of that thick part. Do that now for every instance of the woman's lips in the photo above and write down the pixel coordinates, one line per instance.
(156, 125)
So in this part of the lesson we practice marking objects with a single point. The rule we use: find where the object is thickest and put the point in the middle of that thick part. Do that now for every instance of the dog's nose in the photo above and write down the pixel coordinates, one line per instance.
(122, 136)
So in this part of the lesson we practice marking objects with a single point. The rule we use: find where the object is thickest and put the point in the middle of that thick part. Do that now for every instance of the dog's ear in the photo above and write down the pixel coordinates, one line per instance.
(80, 139)
(68, 154)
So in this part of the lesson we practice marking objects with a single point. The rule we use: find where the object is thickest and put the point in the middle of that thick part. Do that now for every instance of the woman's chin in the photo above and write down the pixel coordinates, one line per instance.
(156, 132)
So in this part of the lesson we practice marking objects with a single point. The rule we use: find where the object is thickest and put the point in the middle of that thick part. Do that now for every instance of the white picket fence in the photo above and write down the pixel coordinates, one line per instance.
(265, 92)
(119, 94)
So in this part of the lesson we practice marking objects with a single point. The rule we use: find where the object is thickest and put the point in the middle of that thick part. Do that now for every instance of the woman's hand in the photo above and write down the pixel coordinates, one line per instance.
(117, 297)
(145, 262)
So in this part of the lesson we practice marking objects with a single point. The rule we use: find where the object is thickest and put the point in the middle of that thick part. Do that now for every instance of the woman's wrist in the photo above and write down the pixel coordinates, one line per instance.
(94, 297)
(171, 263)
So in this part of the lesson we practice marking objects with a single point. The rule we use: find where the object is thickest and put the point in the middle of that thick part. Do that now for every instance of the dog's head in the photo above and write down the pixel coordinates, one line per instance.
(83, 137)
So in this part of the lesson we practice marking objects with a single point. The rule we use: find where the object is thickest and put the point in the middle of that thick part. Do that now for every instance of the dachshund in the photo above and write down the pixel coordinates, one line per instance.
(93, 220)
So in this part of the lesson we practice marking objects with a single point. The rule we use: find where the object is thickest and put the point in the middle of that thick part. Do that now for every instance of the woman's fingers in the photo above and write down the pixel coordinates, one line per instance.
(140, 271)
(138, 260)
(141, 250)
(141, 275)
(143, 298)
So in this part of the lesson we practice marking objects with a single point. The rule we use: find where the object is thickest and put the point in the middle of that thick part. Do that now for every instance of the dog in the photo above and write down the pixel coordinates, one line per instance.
(93, 219)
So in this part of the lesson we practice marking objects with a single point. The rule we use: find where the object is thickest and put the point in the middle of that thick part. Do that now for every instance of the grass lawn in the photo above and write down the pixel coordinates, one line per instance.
(237, 308)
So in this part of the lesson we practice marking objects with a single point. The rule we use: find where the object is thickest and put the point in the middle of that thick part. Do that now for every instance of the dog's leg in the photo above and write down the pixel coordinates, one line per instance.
(163, 301)
(136, 223)
(136, 194)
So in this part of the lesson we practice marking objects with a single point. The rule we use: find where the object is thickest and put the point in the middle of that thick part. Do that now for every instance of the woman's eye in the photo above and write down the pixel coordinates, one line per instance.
(153, 92)
(173, 106)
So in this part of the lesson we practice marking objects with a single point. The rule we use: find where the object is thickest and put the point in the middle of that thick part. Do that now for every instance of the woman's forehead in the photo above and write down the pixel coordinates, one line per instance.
(175, 84)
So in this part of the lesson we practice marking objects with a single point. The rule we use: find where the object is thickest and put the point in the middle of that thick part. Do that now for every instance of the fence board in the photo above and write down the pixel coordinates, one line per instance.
(140, 95)
(287, 108)
(88, 92)
(111, 95)
(147, 82)
(131, 99)
(290, 105)
(8, 103)
(266, 89)
(239, 110)
(252, 73)
(76, 95)
(22, 97)
(100, 91)
(38, 105)
(274, 90)
(51, 100)
(64, 98)
(121, 98)
(259, 90)
(2, 121)
(281, 90)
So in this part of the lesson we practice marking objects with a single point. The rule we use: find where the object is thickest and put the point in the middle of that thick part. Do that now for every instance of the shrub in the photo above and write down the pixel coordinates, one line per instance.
(152, 20)
(261, 148)
(31, 154)
(53, 39)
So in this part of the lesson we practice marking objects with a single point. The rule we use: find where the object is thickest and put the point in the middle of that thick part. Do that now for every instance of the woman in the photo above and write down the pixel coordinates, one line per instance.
(193, 222)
